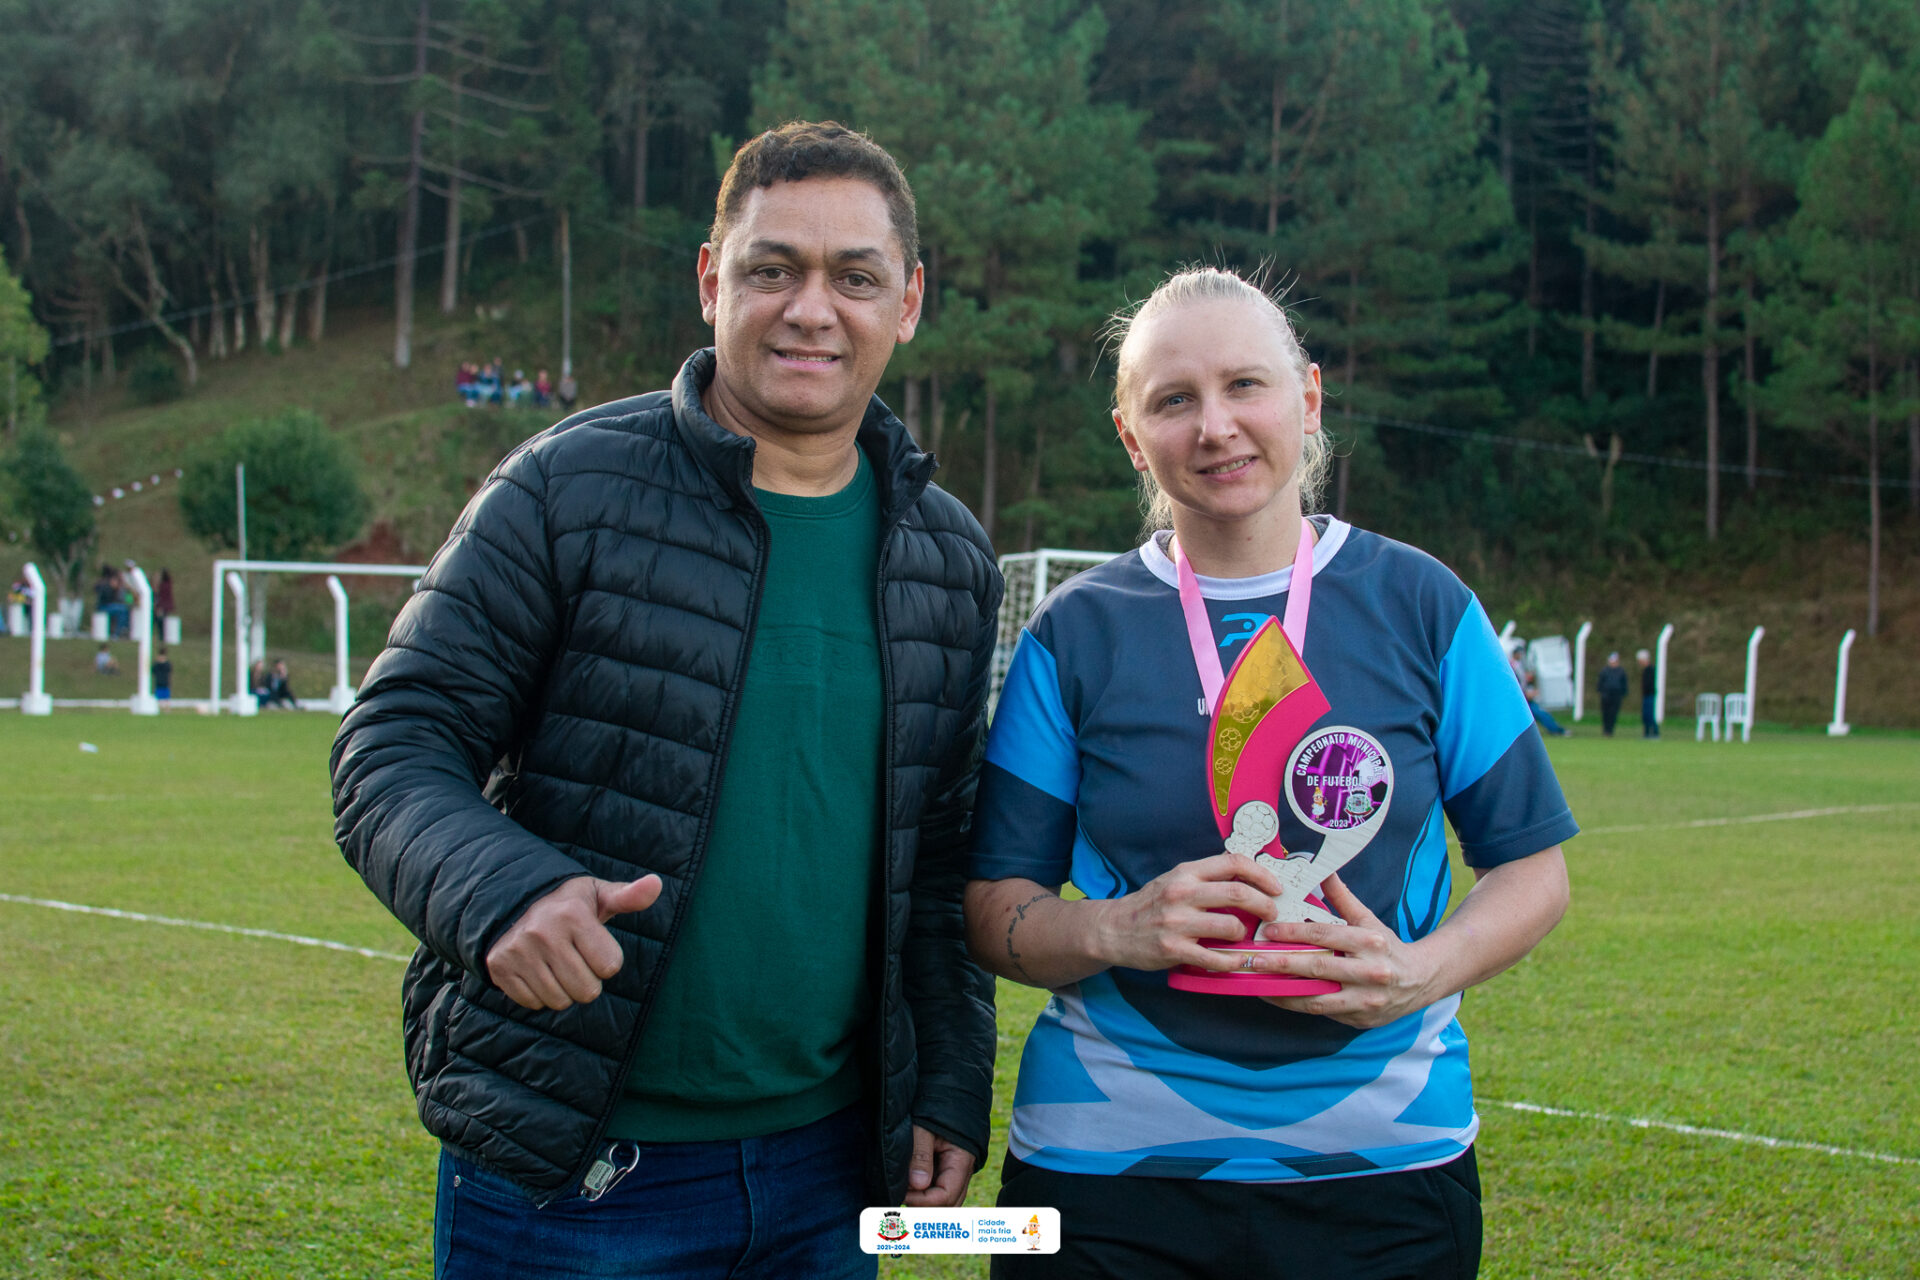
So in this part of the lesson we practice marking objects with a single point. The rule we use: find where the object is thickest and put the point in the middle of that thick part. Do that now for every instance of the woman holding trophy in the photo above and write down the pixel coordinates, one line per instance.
(1240, 743)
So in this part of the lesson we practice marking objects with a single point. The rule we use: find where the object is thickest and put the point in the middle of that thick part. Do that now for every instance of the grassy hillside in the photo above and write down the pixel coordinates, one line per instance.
(422, 454)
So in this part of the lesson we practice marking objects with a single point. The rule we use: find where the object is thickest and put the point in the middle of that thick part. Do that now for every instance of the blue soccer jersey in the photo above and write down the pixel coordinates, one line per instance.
(1096, 773)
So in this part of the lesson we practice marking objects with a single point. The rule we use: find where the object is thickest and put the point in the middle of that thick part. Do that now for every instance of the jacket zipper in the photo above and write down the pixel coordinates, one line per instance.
(587, 1158)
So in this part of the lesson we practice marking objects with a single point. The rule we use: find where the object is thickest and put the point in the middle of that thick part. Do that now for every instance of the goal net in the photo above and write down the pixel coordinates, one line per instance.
(1030, 576)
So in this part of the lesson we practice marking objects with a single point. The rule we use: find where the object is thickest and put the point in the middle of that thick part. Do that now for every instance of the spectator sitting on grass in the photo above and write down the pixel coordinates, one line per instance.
(162, 669)
(519, 389)
(279, 692)
(466, 383)
(568, 392)
(486, 385)
(542, 389)
(104, 663)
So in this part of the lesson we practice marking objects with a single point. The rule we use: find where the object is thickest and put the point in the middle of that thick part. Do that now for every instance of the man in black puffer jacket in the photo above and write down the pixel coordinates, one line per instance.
(669, 765)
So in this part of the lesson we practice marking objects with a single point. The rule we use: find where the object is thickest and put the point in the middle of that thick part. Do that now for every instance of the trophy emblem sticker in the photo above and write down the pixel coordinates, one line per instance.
(1338, 779)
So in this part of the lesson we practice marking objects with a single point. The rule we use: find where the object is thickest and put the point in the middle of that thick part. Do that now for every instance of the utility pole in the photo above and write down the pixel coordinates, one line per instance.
(566, 296)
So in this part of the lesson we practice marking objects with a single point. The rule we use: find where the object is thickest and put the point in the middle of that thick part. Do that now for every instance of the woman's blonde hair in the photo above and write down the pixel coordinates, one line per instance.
(1214, 284)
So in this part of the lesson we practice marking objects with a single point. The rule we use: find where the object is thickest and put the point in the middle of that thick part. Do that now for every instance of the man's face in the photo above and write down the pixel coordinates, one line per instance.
(807, 298)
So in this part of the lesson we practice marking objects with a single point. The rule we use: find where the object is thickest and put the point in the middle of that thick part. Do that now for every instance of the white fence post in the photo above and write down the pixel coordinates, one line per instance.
(1660, 675)
(213, 657)
(34, 701)
(143, 702)
(1753, 669)
(1580, 670)
(243, 699)
(1840, 728)
(342, 696)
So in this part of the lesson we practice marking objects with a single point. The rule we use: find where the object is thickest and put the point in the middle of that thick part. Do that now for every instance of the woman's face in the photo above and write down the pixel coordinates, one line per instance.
(1216, 412)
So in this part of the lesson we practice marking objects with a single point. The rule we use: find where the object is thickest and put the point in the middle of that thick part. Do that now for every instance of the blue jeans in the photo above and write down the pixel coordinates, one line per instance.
(784, 1205)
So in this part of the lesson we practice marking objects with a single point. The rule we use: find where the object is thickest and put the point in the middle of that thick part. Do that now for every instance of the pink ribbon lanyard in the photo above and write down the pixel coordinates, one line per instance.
(1206, 654)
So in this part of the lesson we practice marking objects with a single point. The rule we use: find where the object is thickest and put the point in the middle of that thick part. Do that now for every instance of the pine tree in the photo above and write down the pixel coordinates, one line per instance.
(1693, 121)
(1852, 310)
(1016, 172)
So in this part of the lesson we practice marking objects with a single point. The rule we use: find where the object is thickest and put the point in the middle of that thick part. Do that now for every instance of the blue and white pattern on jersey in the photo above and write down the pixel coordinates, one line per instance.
(1096, 773)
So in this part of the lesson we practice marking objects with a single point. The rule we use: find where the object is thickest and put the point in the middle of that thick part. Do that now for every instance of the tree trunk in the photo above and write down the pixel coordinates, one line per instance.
(1749, 341)
(1653, 350)
(239, 307)
(1033, 483)
(1873, 521)
(936, 407)
(26, 231)
(450, 257)
(259, 257)
(289, 312)
(317, 315)
(193, 330)
(929, 318)
(216, 317)
(1873, 463)
(566, 292)
(410, 212)
(1273, 158)
(1913, 439)
(520, 240)
(1586, 280)
(1710, 365)
(1343, 469)
(640, 130)
(990, 462)
(910, 407)
(1533, 268)
(1753, 403)
(450, 260)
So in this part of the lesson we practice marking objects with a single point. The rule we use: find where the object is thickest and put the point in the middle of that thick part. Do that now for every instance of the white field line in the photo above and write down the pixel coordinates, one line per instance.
(202, 924)
(1792, 815)
(1533, 1108)
(1696, 1131)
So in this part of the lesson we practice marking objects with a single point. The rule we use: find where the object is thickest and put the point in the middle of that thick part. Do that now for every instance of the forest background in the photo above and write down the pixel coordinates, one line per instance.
(1593, 285)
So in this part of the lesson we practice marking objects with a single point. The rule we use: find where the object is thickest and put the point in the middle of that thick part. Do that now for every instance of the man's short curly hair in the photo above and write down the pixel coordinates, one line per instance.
(806, 149)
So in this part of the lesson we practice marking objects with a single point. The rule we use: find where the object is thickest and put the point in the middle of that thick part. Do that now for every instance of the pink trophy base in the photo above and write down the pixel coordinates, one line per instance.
(1238, 982)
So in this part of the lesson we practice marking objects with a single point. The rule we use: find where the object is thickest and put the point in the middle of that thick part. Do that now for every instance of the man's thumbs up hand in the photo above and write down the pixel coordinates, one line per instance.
(559, 952)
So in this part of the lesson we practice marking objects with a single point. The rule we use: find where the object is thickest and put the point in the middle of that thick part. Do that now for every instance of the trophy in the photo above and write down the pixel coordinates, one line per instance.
(1264, 710)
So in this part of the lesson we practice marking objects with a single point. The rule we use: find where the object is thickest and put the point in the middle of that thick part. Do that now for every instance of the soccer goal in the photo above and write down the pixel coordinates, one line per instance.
(232, 572)
(1030, 576)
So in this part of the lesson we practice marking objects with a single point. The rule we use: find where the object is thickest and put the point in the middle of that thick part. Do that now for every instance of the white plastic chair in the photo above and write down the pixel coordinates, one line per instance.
(1706, 715)
(1738, 712)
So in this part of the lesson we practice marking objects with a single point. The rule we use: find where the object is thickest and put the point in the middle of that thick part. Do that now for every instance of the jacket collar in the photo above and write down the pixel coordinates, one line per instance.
(901, 468)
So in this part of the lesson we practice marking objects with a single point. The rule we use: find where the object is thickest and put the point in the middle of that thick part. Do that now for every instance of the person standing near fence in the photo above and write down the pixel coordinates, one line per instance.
(1613, 691)
(1649, 692)
(670, 763)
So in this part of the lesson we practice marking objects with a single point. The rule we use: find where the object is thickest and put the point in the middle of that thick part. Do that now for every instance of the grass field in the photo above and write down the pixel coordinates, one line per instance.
(179, 1102)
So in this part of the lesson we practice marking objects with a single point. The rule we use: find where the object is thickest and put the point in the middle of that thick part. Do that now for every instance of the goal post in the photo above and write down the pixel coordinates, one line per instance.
(342, 694)
(1030, 576)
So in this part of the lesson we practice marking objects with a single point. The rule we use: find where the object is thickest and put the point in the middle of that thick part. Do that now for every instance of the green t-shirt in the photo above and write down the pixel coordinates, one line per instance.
(767, 990)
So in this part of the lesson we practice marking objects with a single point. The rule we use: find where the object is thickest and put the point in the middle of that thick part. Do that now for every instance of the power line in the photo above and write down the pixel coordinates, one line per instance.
(1580, 451)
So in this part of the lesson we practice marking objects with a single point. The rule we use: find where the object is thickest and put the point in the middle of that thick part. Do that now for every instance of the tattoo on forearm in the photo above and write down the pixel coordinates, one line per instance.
(1019, 914)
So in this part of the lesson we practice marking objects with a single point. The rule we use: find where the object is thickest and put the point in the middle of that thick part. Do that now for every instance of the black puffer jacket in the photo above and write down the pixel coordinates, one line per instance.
(557, 699)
